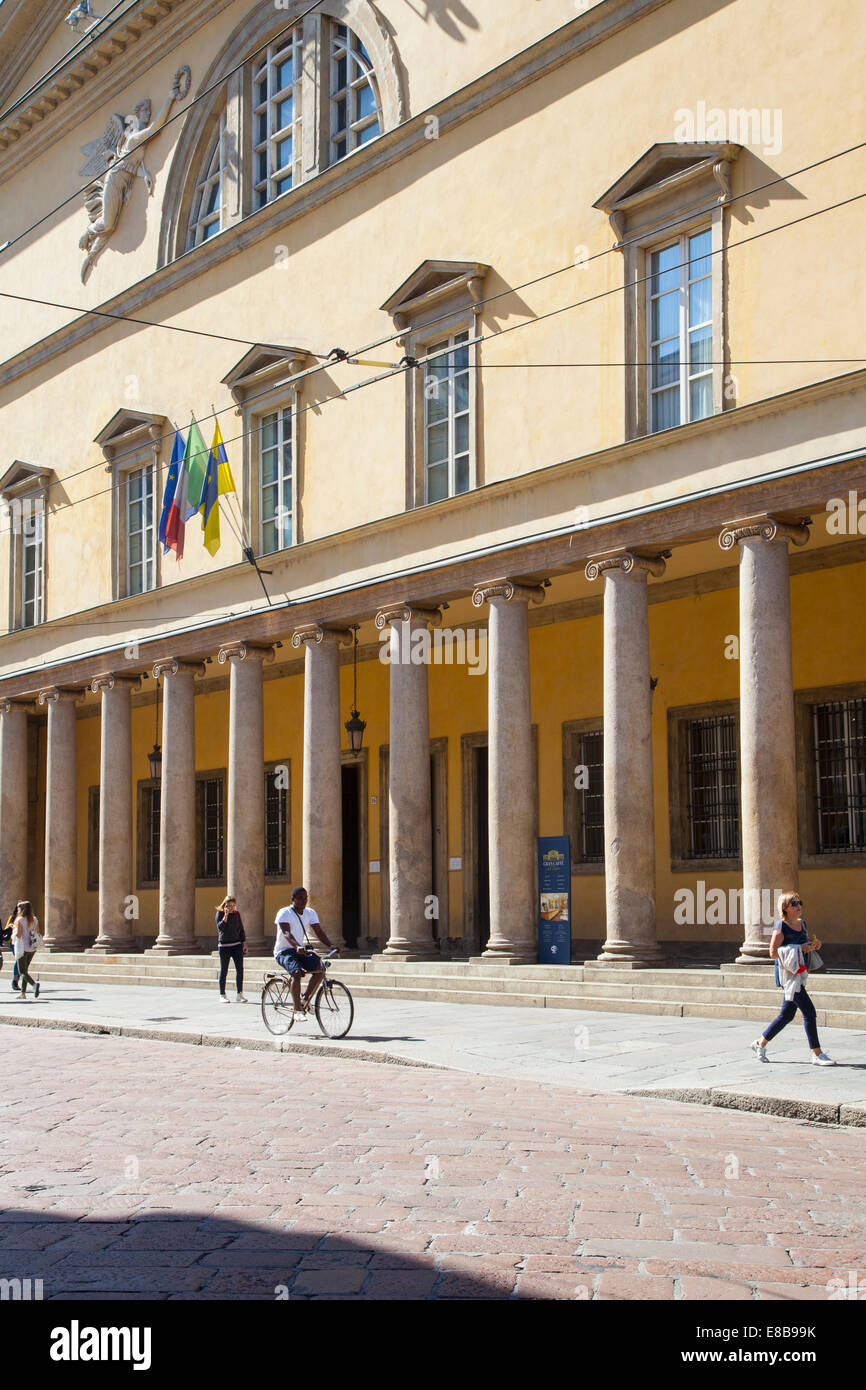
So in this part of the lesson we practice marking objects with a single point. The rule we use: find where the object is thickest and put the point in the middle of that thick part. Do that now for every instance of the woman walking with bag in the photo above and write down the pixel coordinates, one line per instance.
(26, 941)
(232, 947)
(791, 931)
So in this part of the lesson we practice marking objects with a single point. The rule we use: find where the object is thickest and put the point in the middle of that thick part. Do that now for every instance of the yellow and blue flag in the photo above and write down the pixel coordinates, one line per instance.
(218, 481)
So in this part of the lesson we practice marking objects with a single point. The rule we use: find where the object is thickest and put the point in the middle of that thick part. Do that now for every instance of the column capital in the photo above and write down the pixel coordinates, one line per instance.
(767, 528)
(508, 589)
(54, 694)
(111, 681)
(241, 651)
(314, 635)
(408, 613)
(173, 666)
(627, 562)
(7, 706)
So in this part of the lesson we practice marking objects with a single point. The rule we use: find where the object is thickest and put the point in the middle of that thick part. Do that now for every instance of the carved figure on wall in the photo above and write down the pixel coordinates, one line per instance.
(115, 160)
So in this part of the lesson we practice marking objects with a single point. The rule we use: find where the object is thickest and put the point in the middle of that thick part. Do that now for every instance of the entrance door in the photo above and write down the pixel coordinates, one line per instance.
(351, 854)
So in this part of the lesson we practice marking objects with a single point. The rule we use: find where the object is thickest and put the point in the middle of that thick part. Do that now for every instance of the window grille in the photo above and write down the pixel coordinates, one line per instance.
(209, 795)
(276, 826)
(591, 756)
(713, 787)
(839, 740)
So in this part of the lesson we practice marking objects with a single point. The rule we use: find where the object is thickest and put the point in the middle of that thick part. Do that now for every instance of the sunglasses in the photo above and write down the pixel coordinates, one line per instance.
(796, 902)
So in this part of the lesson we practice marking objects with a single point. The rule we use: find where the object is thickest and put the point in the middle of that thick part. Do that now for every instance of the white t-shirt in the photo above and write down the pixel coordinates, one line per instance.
(290, 932)
(27, 939)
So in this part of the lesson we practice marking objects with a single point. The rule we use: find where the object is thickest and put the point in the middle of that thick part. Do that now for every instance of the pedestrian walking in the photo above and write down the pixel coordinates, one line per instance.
(6, 940)
(790, 931)
(26, 941)
(232, 947)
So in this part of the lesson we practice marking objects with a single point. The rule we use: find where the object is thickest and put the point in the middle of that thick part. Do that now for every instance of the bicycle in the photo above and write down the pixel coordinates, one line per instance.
(333, 1004)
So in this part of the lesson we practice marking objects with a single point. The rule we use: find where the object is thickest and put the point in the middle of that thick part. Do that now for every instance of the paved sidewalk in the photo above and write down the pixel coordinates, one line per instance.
(700, 1060)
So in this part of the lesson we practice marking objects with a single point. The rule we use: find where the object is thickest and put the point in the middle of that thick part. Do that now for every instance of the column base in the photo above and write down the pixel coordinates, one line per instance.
(501, 957)
(63, 944)
(410, 951)
(633, 957)
(113, 948)
(173, 948)
(761, 957)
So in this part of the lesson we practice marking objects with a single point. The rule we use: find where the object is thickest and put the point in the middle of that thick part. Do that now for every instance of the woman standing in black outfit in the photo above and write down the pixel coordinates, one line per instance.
(232, 946)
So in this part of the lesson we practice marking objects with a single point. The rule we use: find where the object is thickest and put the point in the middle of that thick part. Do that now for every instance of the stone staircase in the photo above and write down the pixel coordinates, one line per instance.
(726, 991)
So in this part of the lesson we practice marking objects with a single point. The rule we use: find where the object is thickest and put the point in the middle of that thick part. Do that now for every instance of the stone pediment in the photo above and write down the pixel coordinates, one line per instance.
(262, 367)
(675, 176)
(431, 283)
(23, 477)
(131, 432)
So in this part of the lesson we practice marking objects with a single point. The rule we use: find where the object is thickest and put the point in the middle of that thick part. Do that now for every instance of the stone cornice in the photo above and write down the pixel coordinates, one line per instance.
(562, 46)
(127, 52)
(768, 528)
(626, 562)
(507, 589)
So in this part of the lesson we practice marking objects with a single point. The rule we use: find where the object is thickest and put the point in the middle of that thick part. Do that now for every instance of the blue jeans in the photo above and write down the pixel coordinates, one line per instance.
(236, 954)
(789, 1008)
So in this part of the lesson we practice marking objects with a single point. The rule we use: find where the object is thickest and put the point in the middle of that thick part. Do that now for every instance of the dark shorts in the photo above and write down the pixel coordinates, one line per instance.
(299, 962)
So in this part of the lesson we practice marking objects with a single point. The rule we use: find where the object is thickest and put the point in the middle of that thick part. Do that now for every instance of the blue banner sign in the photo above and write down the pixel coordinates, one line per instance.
(554, 900)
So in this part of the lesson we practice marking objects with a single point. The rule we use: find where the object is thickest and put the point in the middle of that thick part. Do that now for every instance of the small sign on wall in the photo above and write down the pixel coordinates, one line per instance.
(554, 900)
(455, 864)
(374, 866)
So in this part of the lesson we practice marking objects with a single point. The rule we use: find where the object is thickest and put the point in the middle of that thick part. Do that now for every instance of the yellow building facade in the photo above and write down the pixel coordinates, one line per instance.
(534, 335)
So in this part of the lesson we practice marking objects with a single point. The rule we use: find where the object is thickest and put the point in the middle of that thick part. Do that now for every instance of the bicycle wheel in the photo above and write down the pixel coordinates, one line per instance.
(334, 1009)
(278, 1010)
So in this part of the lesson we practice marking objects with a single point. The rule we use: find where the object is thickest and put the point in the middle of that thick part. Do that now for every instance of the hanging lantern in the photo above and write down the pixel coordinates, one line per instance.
(355, 725)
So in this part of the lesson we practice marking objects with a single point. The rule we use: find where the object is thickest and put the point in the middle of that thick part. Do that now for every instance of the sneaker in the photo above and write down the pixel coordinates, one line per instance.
(16, 985)
(759, 1051)
(822, 1060)
(224, 999)
(241, 999)
(36, 990)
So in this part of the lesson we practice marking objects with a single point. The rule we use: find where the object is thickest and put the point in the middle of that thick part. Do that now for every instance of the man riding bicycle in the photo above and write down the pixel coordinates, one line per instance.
(292, 948)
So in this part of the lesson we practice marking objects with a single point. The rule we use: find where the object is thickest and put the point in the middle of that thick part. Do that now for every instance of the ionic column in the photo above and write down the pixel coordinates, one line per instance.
(629, 823)
(245, 856)
(61, 820)
(768, 770)
(510, 809)
(13, 802)
(118, 917)
(410, 865)
(177, 808)
(322, 852)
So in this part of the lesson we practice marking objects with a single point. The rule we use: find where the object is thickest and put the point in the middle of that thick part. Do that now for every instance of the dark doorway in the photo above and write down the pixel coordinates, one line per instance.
(482, 857)
(351, 854)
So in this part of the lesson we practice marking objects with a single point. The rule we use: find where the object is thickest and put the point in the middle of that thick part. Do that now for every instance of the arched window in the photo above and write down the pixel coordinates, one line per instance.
(277, 103)
(356, 113)
(207, 205)
(309, 96)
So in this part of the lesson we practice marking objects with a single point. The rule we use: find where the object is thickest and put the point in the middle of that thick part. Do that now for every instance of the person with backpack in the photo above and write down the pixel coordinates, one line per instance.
(232, 947)
(6, 940)
(26, 941)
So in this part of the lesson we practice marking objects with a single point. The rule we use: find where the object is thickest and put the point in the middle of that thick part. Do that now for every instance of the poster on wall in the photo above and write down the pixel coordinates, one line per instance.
(554, 900)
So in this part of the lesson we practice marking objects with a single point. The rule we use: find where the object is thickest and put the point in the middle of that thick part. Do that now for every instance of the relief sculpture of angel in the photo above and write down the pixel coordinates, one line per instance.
(113, 162)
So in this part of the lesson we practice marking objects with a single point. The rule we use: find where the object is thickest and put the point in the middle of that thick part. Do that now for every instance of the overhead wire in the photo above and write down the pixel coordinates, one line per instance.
(84, 42)
(401, 369)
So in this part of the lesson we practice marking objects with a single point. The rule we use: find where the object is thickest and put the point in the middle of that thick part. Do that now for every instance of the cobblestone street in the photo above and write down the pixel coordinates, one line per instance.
(135, 1169)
